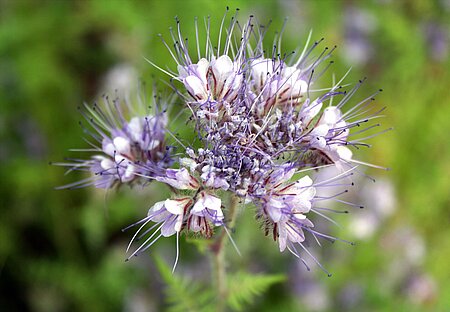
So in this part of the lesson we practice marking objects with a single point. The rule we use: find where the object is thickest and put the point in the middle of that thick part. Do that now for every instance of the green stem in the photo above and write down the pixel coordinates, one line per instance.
(218, 253)
(220, 278)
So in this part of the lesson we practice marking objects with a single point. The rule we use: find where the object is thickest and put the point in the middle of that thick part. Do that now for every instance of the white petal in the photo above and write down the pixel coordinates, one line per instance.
(122, 145)
(307, 193)
(180, 179)
(299, 216)
(305, 181)
(331, 115)
(179, 223)
(274, 209)
(169, 228)
(121, 161)
(281, 175)
(307, 222)
(107, 163)
(222, 67)
(108, 147)
(194, 223)
(129, 173)
(196, 87)
(310, 111)
(213, 203)
(291, 74)
(184, 177)
(202, 69)
(292, 79)
(156, 207)
(343, 132)
(135, 128)
(302, 205)
(237, 81)
(158, 213)
(175, 207)
(231, 86)
(320, 142)
(304, 194)
(262, 67)
(207, 201)
(295, 234)
(221, 183)
(320, 130)
(182, 72)
(262, 70)
(344, 153)
(301, 86)
(198, 207)
(188, 162)
(282, 236)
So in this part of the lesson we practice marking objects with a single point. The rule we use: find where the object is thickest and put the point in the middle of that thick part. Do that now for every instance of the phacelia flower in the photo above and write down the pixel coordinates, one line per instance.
(198, 212)
(215, 80)
(125, 152)
(276, 83)
(262, 119)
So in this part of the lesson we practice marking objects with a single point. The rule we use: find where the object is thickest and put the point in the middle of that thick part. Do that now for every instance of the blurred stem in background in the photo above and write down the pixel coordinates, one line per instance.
(218, 257)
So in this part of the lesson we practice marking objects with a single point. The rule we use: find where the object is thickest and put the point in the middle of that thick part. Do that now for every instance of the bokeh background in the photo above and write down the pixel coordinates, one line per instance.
(64, 250)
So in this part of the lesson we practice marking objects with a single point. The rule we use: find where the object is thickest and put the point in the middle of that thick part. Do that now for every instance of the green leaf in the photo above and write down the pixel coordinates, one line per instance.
(244, 288)
(202, 244)
(184, 295)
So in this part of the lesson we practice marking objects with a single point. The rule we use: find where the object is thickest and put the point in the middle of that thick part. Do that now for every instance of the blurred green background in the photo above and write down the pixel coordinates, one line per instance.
(64, 251)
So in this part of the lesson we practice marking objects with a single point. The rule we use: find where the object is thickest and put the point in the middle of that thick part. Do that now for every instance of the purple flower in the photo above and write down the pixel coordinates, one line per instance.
(179, 179)
(260, 124)
(215, 80)
(284, 207)
(206, 210)
(261, 120)
(126, 152)
(276, 83)
(198, 213)
(170, 214)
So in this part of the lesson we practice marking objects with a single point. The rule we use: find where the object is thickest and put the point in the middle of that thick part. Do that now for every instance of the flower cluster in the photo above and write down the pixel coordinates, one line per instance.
(261, 122)
(122, 151)
(197, 213)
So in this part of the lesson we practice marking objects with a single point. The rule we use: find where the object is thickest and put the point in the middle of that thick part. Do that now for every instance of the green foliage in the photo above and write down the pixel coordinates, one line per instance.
(63, 251)
(183, 294)
(200, 243)
(245, 287)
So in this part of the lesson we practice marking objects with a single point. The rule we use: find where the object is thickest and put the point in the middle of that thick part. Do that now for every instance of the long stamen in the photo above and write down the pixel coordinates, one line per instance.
(232, 241)
(315, 260)
(178, 252)
(148, 219)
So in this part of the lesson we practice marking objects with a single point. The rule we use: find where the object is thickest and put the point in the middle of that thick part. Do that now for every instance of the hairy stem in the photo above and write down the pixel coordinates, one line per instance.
(218, 253)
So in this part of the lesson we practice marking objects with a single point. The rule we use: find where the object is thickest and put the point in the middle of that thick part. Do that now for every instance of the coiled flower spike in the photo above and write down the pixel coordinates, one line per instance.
(122, 151)
(261, 123)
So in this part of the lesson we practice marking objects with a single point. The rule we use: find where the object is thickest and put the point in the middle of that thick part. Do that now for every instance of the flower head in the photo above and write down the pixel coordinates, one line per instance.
(128, 151)
(216, 80)
(261, 122)
(199, 212)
